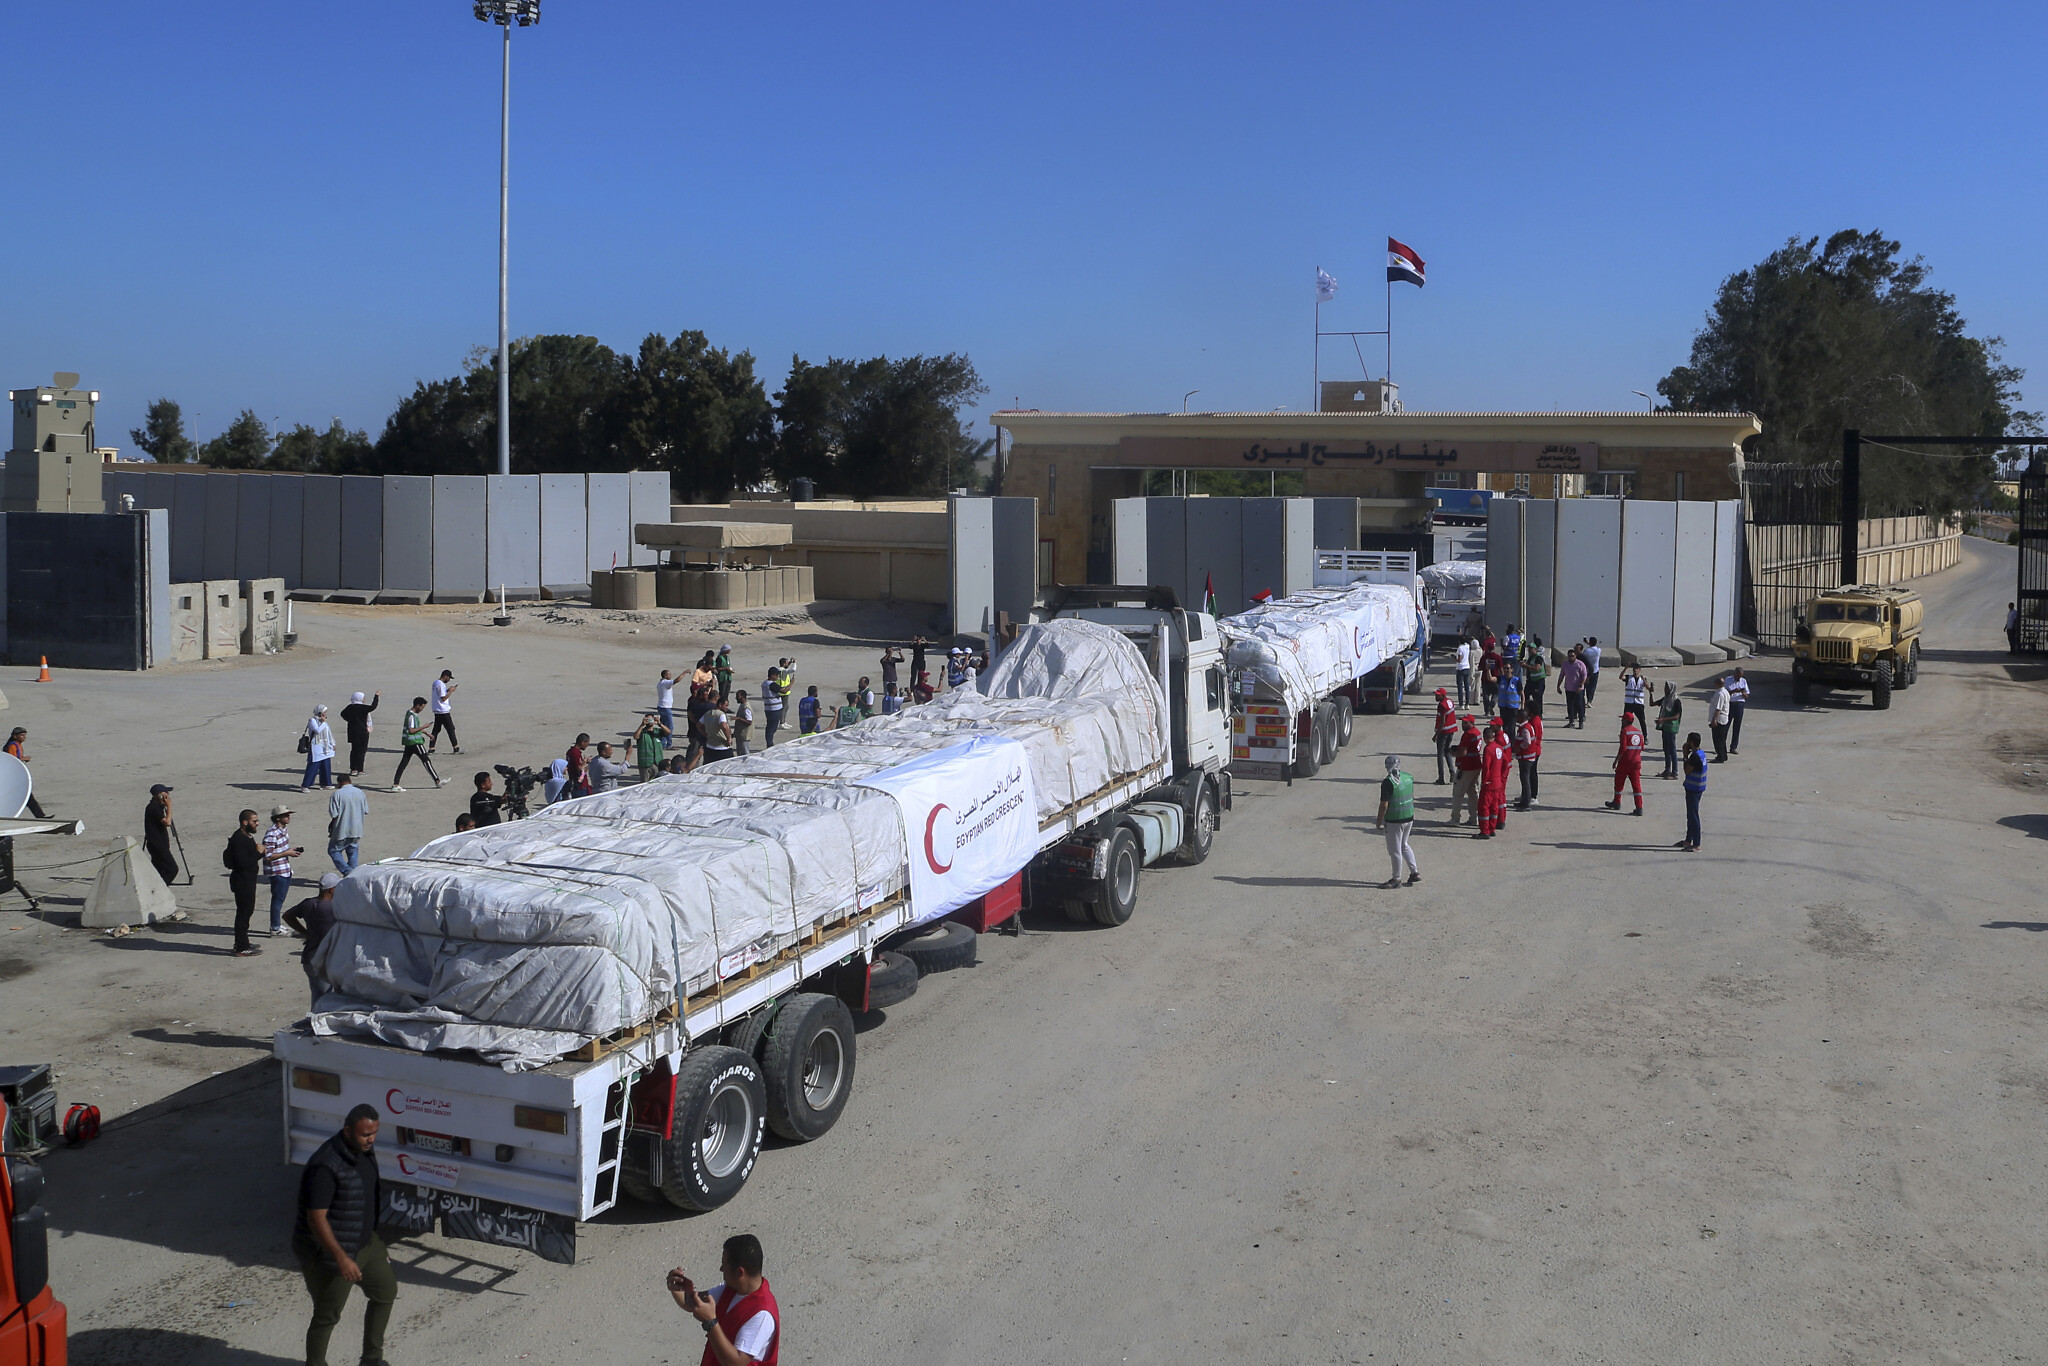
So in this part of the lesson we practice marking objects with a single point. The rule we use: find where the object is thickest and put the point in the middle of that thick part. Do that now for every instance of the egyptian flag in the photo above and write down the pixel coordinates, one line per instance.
(1402, 263)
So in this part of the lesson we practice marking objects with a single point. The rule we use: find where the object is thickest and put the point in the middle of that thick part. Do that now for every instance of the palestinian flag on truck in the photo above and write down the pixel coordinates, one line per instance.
(1209, 594)
(1402, 263)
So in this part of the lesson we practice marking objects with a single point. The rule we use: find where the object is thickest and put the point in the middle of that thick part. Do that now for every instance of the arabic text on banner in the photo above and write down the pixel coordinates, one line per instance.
(970, 817)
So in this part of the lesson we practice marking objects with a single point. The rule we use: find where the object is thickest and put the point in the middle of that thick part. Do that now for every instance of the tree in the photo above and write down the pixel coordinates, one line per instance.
(245, 445)
(1818, 338)
(880, 426)
(700, 413)
(162, 434)
(335, 451)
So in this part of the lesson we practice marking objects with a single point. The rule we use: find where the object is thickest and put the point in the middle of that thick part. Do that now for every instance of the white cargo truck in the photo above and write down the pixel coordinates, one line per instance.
(1302, 666)
(624, 993)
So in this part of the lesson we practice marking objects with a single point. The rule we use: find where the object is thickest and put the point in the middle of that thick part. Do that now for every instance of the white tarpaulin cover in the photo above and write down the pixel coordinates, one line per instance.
(971, 817)
(1303, 647)
(524, 940)
(1457, 580)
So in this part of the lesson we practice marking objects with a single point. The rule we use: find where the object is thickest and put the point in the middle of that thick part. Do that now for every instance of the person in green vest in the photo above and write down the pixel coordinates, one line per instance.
(850, 714)
(648, 743)
(1397, 819)
(721, 669)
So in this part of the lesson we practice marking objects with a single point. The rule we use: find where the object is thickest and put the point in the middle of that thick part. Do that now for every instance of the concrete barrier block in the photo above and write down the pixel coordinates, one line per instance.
(724, 589)
(459, 538)
(1702, 653)
(223, 607)
(564, 535)
(217, 552)
(263, 628)
(188, 621)
(750, 588)
(807, 583)
(252, 525)
(362, 535)
(127, 892)
(608, 538)
(408, 537)
(512, 535)
(600, 588)
(320, 546)
(287, 528)
(693, 588)
(668, 587)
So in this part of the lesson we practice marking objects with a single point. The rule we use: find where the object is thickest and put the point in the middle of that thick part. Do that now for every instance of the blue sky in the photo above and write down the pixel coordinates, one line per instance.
(293, 207)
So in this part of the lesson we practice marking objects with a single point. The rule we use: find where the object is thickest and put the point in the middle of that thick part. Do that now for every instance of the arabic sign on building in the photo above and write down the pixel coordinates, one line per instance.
(1426, 457)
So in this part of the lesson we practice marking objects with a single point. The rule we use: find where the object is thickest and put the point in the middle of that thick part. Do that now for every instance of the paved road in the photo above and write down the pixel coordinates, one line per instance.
(1578, 1097)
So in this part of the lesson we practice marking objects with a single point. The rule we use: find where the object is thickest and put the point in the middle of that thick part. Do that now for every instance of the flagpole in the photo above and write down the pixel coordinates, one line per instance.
(1316, 351)
(1390, 329)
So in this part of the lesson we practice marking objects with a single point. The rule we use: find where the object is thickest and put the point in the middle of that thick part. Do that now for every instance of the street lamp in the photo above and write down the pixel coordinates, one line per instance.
(505, 14)
(1186, 396)
(1640, 394)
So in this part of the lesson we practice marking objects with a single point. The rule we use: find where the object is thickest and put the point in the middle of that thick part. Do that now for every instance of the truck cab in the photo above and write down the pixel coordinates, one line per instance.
(1862, 637)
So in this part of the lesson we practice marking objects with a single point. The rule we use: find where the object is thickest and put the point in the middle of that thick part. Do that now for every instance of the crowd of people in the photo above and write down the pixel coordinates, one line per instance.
(1509, 677)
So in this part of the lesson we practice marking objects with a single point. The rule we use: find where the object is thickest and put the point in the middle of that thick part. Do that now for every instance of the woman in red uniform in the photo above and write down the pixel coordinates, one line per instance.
(1493, 782)
(1628, 762)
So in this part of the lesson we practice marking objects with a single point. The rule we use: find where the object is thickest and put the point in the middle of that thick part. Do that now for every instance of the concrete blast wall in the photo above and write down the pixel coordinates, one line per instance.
(1241, 546)
(564, 534)
(408, 518)
(1655, 581)
(362, 534)
(512, 535)
(459, 559)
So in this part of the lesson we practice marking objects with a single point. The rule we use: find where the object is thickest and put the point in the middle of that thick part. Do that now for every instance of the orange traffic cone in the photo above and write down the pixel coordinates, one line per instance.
(44, 676)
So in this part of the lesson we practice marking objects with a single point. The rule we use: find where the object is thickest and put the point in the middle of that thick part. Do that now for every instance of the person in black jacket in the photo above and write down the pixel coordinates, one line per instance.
(335, 1238)
(156, 833)
(243, 859)
(356, 717)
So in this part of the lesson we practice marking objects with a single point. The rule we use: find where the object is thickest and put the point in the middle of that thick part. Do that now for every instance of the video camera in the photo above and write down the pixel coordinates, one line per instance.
(519, 785)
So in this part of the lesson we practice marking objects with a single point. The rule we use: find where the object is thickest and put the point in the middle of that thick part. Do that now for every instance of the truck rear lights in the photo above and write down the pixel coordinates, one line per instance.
(546, 1121)
(307, 1079)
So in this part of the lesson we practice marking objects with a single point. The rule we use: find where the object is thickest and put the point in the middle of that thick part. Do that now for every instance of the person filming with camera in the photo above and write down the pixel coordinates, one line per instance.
(740, 1319)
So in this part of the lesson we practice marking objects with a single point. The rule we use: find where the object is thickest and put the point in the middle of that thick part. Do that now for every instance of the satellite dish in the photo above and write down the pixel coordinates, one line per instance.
(66, 379)
(15, 785)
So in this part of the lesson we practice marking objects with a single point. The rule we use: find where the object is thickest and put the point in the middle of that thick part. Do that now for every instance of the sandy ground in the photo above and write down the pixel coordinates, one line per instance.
(1577, 1097)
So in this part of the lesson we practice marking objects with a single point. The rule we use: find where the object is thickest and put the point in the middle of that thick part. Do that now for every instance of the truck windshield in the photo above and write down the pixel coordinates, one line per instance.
(1842, 611)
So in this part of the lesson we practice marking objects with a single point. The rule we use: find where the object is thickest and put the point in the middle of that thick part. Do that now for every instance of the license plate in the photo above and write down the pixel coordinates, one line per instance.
(434, 1143)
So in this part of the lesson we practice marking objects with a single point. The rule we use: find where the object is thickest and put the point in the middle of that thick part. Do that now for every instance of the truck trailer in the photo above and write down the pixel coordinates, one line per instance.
(1301, 667)
(625, 992)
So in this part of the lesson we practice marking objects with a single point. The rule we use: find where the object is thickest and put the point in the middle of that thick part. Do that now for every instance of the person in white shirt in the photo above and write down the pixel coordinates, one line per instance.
(741, 1321)
(319, 751)
(443, 695)
(1464, 673)
(1590, 652)
(1717, 719)
(665, 706)
(1738, 702)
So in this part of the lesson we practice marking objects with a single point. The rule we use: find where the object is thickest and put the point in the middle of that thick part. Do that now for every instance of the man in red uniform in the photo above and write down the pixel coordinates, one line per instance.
(1493, 782)
(1465, 789)
(741, 1322)
(1446, 734)
(1528, 749)
(1628, 762)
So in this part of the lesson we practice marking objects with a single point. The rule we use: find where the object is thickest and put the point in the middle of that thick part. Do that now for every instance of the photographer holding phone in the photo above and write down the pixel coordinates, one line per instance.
(740, 1319)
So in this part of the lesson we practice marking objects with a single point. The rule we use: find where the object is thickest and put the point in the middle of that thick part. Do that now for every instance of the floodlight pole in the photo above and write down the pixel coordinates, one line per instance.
(504, 259)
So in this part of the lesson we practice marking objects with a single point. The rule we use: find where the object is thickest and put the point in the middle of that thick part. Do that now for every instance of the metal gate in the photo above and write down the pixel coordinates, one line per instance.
(1793, 536)
(2033, 576)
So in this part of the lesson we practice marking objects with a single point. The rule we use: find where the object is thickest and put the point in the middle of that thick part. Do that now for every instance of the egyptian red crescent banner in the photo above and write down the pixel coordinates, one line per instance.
(1402, 263)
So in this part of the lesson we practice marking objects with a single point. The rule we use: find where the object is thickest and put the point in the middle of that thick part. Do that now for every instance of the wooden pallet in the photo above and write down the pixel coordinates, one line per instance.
(612, 1043)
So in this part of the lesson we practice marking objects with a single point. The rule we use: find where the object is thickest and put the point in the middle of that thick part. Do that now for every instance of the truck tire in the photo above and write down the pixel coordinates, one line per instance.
(1881, 685)
(1326, 721)
(1400, 695)
(1201, 826)
(1344, 716)
(721, 1114)
(892, 980)
(939, 948)
(633, 1182)
(1912, 665)
(1308, 757)
(1116, 896)
(807, 1062)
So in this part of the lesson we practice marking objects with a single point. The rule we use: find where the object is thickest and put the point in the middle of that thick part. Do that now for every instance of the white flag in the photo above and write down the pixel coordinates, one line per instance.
(1326, 288)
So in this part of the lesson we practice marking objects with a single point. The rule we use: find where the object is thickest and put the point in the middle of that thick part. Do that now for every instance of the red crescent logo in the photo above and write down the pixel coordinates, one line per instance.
(931, 855)
(405, 1164)
(394, 1101)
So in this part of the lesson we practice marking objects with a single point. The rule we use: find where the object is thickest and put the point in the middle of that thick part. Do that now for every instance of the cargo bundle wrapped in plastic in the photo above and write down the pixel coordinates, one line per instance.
(1303, 647)
(523, 941)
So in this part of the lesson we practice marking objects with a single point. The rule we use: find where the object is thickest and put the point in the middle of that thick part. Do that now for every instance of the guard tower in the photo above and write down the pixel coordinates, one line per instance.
(53, 465)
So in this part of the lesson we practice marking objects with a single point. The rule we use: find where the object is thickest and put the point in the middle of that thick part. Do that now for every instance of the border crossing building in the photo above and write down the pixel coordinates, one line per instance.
(1362, 445)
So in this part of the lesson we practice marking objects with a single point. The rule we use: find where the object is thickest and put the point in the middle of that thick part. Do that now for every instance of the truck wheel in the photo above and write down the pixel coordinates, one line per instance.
(633, 1181)
(1201, 835)
(892, 980)
(1394, 702)
(1308, 758)
(1344, 716)
(808, 1061)
(1117, 895)
(1881, 686)
(1328, 722)
(939, 948)
(721, 1113)
(1913, 665)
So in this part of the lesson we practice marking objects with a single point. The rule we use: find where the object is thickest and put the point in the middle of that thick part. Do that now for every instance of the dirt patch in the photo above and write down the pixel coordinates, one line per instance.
(2022, 758)
(1840, 933)
(11, 968)
(1756, 991)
